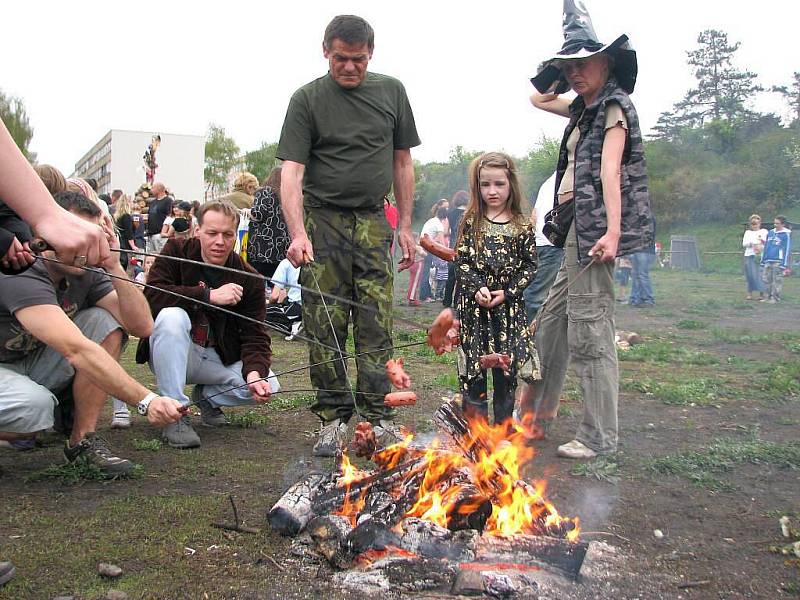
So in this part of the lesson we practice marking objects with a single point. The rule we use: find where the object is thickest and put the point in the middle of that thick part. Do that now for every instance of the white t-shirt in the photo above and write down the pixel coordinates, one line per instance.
(752, 238)
(433, 228)
(544, 204)
(286, 273)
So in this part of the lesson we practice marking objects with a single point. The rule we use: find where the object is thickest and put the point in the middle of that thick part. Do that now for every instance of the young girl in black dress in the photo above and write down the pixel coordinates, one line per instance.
(496, 260)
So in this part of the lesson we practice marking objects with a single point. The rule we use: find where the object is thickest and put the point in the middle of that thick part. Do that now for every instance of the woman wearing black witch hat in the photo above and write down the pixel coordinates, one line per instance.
(603, 212)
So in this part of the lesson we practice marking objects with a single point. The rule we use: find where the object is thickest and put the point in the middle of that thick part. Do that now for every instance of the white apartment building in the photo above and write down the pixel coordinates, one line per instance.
(117, 162)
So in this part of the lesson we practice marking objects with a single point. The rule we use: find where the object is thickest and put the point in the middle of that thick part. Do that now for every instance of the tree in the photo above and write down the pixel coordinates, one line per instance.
(15, 118)
(791, 93)
(722, 92)
(221, 158)
(260, 162)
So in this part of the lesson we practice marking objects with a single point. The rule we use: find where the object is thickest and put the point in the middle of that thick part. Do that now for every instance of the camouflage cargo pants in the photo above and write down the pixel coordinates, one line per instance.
(351, 260)
(772, 276)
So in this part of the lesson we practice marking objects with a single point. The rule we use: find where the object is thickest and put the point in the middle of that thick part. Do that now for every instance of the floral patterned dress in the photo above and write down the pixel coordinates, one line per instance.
(505, 259)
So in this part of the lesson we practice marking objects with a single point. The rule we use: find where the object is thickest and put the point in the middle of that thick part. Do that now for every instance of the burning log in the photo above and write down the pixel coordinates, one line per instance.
(443, 334)
(397, 374)
(294, 510)
(495, 361)
(395, 399)
(364, 443)
(329, 533)
(434, 541)
(437, 249)
(370, 535)
(386, 480)
(546, 552)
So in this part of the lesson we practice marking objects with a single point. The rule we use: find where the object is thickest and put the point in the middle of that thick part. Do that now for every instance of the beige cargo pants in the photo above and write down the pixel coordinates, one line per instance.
(578, 327)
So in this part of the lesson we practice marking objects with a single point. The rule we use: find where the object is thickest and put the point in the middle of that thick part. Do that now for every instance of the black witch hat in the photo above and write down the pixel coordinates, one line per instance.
(580, 41)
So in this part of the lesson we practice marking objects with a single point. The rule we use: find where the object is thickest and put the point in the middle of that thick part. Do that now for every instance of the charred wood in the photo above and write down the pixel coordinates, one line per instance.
(536, 550)
(329, 533)
(293, 510)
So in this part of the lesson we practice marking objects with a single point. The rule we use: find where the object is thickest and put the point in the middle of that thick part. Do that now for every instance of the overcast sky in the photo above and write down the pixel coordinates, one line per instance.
(83, 68)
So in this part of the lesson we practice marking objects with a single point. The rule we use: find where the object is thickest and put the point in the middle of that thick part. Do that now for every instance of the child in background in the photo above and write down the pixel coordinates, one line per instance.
(622, 275)
(440, 267)
(495, 262)
(415, 274)
(775, 259)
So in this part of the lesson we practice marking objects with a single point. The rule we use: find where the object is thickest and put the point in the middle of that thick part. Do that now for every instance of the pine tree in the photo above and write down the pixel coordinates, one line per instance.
(15, 118)
(791, 93)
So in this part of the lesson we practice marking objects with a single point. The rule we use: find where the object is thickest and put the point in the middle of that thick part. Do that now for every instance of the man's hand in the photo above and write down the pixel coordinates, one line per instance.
(72, 236)
(498, 297)
(227, 294)
(163, 410)
(259, 387)
(18, 256)
(606, 247)
(483, 297)
(406, 240)
(113, 244)
(300, 251)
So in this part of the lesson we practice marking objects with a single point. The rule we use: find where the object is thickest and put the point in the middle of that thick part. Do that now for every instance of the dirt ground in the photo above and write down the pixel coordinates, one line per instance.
(709, 455)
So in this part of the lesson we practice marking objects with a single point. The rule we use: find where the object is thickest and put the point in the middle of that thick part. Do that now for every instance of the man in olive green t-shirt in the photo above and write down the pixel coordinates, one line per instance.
(345, 140)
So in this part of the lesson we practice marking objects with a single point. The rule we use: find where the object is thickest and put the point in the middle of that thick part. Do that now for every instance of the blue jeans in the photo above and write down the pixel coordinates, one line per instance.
(752, 272)
(549, 262)
(642, 287)
(177, 361)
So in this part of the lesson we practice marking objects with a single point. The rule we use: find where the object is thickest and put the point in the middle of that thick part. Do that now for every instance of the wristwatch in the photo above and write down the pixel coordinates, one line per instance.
(145, 403)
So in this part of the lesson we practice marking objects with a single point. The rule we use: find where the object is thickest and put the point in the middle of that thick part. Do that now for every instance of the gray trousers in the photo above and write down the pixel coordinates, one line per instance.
(578, 327)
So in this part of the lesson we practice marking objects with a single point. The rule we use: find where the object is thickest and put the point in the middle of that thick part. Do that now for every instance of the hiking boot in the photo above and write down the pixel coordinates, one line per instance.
(575, 449)
(7, 572)
(94, 450)
(332, 437)
(181, 434)
(210, 415)
(387, 433)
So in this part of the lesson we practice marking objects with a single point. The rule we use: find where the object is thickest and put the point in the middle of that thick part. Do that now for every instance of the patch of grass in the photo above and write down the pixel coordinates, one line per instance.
(788, 421)
(447, 380)
(73, 473)
(565, 410)
(291, 401)
(701, 391)
(705, 307)
(603, 468)
(691, 324)
(667, 352)
(702, 466)
(247, 419)
(153, 445)
(793, 348)
(780, 381)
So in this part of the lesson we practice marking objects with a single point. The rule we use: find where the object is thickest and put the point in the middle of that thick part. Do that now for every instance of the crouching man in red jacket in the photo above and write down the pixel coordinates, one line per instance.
(195, 344)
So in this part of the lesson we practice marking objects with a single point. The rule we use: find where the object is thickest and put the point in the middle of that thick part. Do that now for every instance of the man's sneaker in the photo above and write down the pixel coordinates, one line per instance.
(181, 434)
(332, 438)
(297, 327)
(121, 419)
(7, 572)
(387, 433)
(94, 450)
(210, 415)
(576, 449)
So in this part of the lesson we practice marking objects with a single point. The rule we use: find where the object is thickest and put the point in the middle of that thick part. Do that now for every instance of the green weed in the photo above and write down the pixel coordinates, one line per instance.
(153, 445)
(77, 472)
(722, 456)
(603, 468)
(247, 419)
(291, 401)
(447, 380)
(667, 352)
(691, 324)
(701, 391)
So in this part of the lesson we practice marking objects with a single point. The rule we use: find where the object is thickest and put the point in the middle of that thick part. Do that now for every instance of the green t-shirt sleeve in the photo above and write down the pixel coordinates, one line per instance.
(295, 142)
(405, 133)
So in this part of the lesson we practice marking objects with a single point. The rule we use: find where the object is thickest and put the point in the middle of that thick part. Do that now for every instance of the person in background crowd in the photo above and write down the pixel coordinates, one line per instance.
(52, 178)
(440, 269)
(180, 210)
(622, 275)
(226, 359)
(775, 259)
(158, 210)
(339, 180)
(548, 256)
(268, 238)
(641, 285)
(115, 196)
(753, 242)
(602, 147)
(244, 188)
(285, 300)
(434, 229)
(415, 273)
(458, 204)
(181, 228)
(123, 219)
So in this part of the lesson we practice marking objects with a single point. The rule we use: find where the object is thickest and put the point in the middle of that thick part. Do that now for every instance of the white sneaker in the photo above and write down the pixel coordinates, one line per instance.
(297, 327)
(121, 419)
(575, 449)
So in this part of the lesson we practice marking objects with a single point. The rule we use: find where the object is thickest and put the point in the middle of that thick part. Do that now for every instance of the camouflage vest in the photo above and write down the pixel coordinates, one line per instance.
(637, 228)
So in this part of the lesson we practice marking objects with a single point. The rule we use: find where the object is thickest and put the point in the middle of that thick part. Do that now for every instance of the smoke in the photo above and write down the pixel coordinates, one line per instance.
(595, 505)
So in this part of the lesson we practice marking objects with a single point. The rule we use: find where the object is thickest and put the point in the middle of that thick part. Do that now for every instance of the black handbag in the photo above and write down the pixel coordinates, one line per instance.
(557, 222)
